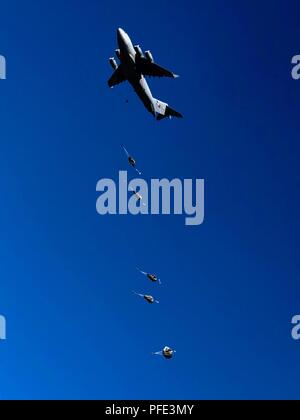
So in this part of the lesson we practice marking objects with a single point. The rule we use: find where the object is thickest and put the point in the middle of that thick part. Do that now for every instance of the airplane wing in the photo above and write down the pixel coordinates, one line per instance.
(152, 69)
(117, 77)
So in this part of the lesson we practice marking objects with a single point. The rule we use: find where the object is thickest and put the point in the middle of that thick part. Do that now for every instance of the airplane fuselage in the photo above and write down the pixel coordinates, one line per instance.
(128, 58)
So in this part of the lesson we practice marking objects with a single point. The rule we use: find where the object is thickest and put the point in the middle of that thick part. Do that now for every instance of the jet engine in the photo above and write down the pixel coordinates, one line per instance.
(118, 53)
(113, 63)
(149, 56)
(138, 51)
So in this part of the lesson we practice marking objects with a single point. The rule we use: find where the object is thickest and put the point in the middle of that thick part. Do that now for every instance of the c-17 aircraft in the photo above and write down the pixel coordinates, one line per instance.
(134, 66)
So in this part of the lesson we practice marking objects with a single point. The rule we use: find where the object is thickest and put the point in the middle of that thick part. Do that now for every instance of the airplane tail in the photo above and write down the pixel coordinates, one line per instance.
(162, 110)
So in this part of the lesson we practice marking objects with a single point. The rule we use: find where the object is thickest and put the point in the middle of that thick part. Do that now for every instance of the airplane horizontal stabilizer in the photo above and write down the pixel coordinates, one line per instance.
(162, 110)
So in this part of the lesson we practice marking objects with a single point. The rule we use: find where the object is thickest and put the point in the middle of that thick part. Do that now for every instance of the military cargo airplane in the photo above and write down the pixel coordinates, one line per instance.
(134, 66)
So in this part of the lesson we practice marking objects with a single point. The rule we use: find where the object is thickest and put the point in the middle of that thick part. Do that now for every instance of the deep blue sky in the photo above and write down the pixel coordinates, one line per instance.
(231, 285)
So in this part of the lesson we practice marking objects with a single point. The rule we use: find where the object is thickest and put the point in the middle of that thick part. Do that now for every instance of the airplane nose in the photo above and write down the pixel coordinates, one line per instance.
(121, 37)
(120, 32)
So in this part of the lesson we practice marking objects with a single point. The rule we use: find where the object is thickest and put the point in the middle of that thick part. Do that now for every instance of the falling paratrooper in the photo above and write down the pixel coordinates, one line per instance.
(138, 196)
(166, 352)
(150, 299)
(151, 277)
(131, 160)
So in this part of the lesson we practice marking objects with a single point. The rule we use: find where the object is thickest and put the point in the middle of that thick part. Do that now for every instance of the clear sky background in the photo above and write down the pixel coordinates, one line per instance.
(230, 286)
